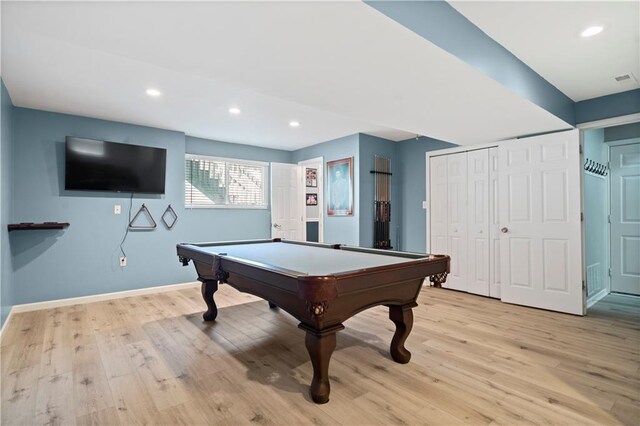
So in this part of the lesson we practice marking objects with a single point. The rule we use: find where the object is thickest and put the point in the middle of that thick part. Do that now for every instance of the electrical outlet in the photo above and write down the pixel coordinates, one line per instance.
(116, 209)
(123, 262)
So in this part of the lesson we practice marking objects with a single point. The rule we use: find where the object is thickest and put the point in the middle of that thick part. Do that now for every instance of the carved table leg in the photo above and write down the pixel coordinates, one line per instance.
(208, 288)
(273, 305)
(320, 346)
(402, 317)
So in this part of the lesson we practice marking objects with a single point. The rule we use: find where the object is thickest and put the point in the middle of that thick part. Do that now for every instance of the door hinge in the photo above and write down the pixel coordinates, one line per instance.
(609, 218)
(581, 217)
(583, 285)
(609, 271)
(580, 149)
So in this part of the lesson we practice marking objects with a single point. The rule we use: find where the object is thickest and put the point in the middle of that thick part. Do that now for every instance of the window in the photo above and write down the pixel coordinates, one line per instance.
(222, 182)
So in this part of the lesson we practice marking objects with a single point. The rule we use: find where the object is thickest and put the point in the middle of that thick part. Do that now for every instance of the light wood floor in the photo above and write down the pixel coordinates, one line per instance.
(151, 360)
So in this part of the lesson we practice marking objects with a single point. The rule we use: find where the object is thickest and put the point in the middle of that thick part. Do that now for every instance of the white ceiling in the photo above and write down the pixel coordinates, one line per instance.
(546, 36)
(338, 68)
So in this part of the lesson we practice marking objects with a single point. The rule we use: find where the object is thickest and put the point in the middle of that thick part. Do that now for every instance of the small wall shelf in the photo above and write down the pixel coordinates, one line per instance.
(28, 226)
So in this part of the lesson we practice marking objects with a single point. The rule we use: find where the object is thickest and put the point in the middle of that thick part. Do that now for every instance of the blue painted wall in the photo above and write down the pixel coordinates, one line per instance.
(609, 106)
(595, 212)
(413, 190)
(6, 132)
(371, 146)
(437, 21)
(618, 133)
(83, 259)
(338, 229)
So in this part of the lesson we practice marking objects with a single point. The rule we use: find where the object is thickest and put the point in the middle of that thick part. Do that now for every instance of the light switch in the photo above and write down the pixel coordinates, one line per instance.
(116, 209)
(424, 204)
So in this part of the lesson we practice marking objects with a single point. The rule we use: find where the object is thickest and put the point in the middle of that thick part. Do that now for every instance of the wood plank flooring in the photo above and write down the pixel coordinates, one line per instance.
(152, 360)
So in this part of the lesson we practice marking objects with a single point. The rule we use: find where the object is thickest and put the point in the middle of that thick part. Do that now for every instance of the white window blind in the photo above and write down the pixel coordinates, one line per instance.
(223, 182)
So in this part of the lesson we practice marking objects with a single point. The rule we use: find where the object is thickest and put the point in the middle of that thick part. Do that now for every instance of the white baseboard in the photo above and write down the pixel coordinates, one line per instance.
(596, 297)
(99, 297)
(27, 307)
(4, 326)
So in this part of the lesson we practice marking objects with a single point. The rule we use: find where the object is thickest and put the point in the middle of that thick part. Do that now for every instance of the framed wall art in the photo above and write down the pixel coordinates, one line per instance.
(340, 187)
(311, 177)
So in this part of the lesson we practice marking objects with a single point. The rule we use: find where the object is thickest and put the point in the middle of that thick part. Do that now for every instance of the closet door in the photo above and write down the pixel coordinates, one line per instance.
(541, 244)
(478, 221)
(438, 223)
(494, 226)
(457, 216)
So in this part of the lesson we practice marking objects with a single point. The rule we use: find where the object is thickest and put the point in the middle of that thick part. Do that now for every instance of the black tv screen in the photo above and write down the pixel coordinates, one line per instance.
(108, 166)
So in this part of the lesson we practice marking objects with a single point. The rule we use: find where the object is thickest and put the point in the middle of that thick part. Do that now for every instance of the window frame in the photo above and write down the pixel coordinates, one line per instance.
(266, 182)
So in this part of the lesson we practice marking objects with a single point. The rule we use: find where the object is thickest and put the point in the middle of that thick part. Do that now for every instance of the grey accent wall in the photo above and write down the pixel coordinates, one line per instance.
(595, 213)
(413, 190)
(83, 259)
(371, 146)
(618, 133)
(337, 229)
(6, 134)
(609, 106)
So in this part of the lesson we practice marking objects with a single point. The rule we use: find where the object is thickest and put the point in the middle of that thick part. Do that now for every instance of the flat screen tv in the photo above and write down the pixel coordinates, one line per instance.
(95, 165)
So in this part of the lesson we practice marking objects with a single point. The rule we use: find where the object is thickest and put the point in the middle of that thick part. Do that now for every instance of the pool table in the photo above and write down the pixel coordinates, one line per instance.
(321, 285)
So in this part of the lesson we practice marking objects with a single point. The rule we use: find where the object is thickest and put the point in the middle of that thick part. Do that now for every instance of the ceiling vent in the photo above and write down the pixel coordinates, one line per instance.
(626, 78)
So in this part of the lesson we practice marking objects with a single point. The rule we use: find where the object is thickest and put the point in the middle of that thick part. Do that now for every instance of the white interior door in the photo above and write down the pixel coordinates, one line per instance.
(540, 244)
(286, 201)
(457, 221)
(494, 225)
(625, 218)
(478, 221)
(438, 200)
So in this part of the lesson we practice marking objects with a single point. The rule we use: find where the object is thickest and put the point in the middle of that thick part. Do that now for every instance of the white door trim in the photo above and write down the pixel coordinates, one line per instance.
(319, 162)
(609, 122)
(622, 142)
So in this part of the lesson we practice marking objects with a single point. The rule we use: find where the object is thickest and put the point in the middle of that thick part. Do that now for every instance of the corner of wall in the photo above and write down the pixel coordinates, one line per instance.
(6, 192)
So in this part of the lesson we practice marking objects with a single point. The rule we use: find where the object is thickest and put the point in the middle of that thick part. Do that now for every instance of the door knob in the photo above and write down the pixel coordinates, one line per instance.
(504, 230)
(275, 225)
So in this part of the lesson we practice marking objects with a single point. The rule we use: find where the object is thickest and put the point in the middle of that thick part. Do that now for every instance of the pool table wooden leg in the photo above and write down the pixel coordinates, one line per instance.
(208, 288)
(402, 317)
(273, 305)
(320, 345)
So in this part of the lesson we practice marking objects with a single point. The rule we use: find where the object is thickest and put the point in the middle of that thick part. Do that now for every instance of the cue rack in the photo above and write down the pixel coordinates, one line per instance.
(382, 203)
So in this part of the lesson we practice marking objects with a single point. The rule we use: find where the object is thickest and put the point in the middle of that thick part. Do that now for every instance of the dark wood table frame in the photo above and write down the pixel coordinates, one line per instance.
(322, 303)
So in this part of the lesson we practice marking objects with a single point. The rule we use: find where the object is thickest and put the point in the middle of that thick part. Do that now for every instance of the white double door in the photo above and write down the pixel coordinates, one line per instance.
(509, 217)
(462, 214)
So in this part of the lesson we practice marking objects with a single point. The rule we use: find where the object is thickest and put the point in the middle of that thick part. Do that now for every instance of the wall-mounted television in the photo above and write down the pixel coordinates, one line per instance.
(95, 165)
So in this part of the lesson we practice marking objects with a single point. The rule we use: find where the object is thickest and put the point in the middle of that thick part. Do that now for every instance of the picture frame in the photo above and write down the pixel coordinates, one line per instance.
(311, 199)
(311, 177)
(340, 187)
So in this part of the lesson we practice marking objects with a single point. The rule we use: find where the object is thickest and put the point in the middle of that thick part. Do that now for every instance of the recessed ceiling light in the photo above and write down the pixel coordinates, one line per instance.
(234, 111)
(591, 31)
(294, 124)
(153, 92)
